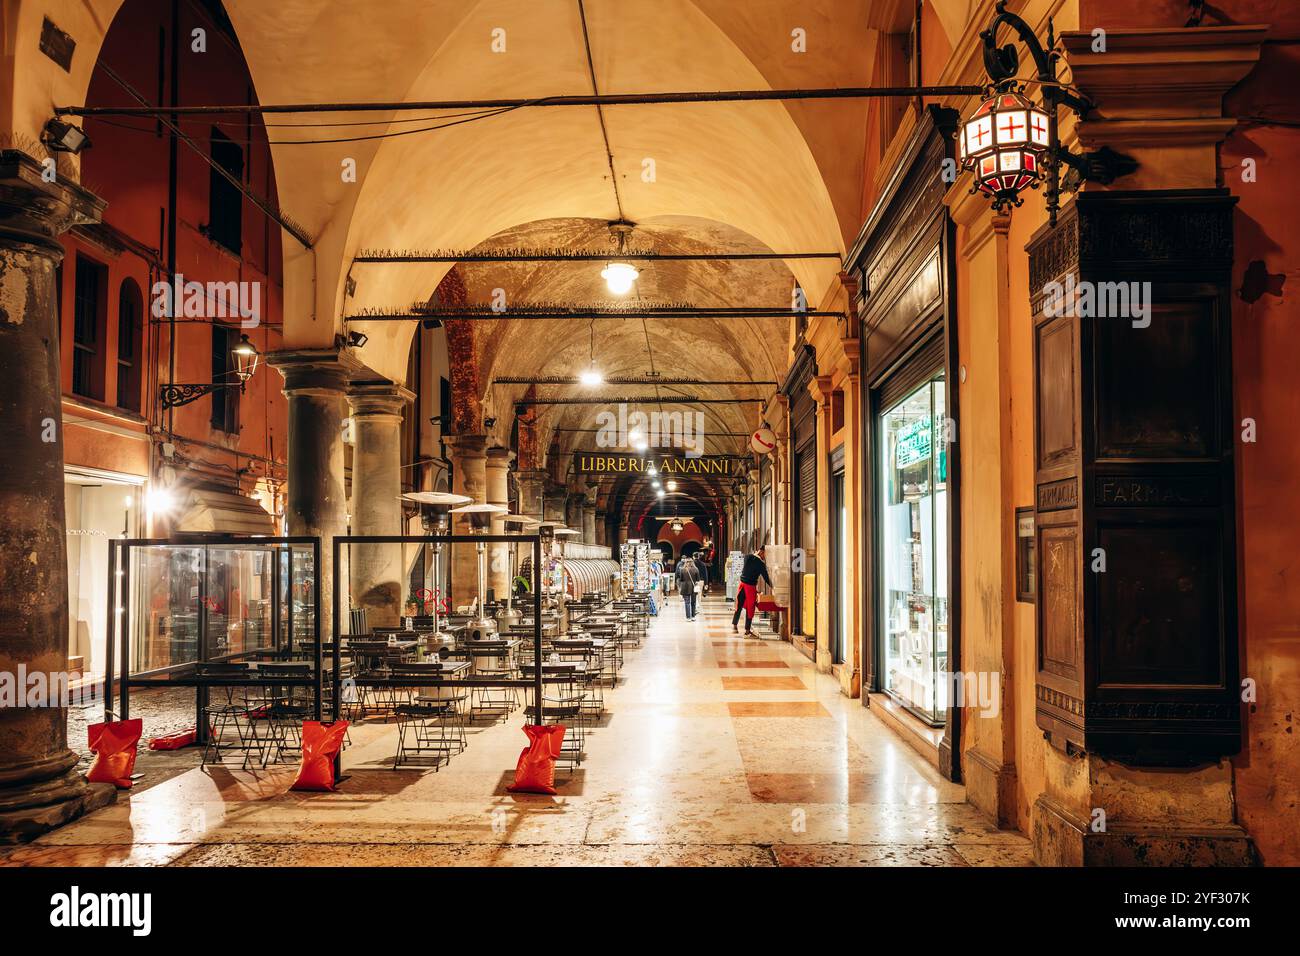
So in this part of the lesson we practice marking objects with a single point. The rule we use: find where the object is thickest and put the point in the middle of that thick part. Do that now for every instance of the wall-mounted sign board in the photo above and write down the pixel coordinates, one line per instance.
(599, 463)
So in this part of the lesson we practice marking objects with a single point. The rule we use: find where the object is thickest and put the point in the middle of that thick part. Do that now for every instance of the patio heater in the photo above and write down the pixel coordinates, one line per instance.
(435, 518)
(515, 524)
(481, 627)
(562, 534)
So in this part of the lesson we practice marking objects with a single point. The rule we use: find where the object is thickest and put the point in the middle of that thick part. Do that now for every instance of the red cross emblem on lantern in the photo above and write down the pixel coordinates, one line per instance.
(1004, 143)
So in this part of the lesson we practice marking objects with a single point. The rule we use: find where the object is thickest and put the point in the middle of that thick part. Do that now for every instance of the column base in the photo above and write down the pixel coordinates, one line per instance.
(1062, 838)
(991, 787)
(27, 812)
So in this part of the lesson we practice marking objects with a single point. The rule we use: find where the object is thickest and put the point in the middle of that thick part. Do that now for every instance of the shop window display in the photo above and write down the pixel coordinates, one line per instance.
(913, 556)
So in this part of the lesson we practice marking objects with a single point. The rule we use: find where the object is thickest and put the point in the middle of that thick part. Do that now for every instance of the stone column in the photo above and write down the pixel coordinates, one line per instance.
(555, 500)
(469, 477)
(530, 485)
(496, 469)
(602, 528)
(315, 383)
(589, 521)
(39, 786)
(573, 511)
(375, 571)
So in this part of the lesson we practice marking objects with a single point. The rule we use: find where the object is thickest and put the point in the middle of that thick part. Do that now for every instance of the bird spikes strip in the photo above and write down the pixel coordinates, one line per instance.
(562, 254)
(627, 380)
(567, 310)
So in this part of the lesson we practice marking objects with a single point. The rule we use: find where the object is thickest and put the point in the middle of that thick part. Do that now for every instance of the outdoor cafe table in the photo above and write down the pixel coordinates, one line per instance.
(449, 674)
(558, 668)
(606, 650)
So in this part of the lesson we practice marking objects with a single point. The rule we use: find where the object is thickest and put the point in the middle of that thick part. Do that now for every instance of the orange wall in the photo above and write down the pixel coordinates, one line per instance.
(1265, 344)
(129, 168)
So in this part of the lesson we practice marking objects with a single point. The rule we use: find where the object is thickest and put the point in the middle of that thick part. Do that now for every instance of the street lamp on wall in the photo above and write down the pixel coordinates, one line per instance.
(1011, 145)
(246, 357)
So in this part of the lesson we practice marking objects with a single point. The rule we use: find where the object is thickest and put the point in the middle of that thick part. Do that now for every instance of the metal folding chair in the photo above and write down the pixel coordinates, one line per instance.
(430, 721)
(231, 712)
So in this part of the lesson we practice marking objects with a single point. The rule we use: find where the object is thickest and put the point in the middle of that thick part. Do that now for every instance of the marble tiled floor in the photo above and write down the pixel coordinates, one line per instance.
(717, 750)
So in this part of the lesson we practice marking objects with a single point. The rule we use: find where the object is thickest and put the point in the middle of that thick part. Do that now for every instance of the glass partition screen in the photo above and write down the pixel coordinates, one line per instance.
(198, 601)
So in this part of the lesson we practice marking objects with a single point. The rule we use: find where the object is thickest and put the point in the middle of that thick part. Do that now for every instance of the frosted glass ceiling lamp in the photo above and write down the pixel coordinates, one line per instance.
(620, 276)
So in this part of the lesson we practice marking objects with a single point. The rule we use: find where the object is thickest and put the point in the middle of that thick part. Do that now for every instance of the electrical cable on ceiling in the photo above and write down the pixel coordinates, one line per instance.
(487, 114)
(600, 113)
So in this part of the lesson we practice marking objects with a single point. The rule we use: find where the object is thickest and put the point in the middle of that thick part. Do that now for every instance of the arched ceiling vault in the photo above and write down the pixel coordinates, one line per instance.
(776, 176)
(733, 349)
(781, 173)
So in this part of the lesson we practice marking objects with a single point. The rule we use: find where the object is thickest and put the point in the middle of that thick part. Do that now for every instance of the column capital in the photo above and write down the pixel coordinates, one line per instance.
(314, 371)
(379, 399)
(1159, 97)
(37, 212)
(820, 389)
(498, 456)
(971, 210)
(473, 446)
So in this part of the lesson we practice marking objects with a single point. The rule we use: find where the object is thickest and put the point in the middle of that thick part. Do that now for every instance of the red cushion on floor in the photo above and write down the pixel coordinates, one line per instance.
(769, 606)
(535, 771)
(320, 745)
(115, 747)
(182, 738)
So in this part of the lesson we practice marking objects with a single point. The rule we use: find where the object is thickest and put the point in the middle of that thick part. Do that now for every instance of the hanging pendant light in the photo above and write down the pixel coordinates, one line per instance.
(619, 276)
(591, 376)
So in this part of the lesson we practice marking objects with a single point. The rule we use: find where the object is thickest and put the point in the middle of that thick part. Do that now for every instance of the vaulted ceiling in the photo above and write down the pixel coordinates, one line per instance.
(721, 177)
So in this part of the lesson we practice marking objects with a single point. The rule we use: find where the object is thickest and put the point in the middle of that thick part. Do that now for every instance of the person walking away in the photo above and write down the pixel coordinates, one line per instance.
(747, 594)
(688, 577)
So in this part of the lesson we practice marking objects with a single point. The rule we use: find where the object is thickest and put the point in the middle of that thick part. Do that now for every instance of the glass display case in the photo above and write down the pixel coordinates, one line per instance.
(913, 583)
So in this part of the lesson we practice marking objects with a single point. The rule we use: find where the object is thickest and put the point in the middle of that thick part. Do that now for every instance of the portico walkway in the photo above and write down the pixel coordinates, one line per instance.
(716, 751)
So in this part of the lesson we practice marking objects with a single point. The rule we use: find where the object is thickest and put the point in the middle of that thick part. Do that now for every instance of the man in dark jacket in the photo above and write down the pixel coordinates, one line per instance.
(747, 594)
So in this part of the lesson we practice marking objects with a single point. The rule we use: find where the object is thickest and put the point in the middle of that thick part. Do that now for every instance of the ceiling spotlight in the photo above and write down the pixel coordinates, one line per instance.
(64, 137)
(672, 485)
(641, 445)
(652, 470)
(591, 376)
(660, 492)
(655, 483)
(357, 339)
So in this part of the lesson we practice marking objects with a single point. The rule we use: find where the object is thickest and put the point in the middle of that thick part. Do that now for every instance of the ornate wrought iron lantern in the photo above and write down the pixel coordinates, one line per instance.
(246, 357)
(1005, 145)
(1011, 145)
